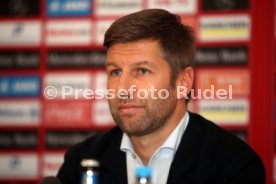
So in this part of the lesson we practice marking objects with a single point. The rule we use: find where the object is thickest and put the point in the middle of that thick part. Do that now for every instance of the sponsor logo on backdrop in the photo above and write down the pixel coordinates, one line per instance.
(221, 55)
(221, 79)
(18, 165)
(225, 4)
(18, 139)
(23, 8)
(19, 60)
(52, 163)
(67, 113)
(60, 85)
(19, 113)
(70, 59)
(224, 28)
(19, 86)
(68, 7)
(20, 33)
(56, 139)
(116, 7)
(175, 6)
(77, 32)
(100, 113)
(101, 27)
(225, 112)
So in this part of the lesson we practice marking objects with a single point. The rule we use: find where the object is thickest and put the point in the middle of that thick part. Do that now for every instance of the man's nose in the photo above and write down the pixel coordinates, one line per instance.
(125, 82)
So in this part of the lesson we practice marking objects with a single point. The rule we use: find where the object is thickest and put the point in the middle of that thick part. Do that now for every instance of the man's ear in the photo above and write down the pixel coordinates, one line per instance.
(184, 82)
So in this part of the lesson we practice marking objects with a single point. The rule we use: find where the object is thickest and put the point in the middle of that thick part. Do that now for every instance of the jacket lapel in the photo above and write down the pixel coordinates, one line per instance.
(186, 154)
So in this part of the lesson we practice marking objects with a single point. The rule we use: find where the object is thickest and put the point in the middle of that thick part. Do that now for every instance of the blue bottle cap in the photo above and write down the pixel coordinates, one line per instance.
(143, 172)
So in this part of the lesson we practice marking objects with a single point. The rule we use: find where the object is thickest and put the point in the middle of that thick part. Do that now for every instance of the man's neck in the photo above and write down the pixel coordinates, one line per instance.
(145, 146)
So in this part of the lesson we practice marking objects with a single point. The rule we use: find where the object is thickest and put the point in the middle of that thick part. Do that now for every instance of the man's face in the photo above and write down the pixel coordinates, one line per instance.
(139, 64)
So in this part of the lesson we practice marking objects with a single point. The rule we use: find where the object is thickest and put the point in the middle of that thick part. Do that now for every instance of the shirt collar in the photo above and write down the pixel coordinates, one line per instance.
(172, 142)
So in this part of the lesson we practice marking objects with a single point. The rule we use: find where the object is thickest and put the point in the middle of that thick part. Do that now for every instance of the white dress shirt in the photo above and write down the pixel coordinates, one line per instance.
(161, 160)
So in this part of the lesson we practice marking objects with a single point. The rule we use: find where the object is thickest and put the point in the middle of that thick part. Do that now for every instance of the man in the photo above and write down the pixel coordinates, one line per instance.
(146, 50)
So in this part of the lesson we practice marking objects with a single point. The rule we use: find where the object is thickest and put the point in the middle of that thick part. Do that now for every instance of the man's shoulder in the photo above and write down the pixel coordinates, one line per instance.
(93, 146)
(215, 135)
(213, 155)
(218, 143)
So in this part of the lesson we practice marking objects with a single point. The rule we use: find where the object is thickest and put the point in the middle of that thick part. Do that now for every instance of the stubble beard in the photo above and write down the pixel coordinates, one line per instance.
(154, 116)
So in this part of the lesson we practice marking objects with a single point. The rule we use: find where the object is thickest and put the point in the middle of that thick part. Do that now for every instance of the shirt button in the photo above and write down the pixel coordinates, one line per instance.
(133, 156)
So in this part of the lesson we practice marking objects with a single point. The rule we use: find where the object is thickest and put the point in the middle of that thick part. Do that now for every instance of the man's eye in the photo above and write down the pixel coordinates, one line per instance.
(143, 71)
(116, 72)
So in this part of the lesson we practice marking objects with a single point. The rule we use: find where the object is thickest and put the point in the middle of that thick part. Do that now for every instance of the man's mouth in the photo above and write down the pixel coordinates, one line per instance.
(129, 108)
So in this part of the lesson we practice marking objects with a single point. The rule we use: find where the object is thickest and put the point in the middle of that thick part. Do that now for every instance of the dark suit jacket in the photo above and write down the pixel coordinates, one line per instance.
(206, 155)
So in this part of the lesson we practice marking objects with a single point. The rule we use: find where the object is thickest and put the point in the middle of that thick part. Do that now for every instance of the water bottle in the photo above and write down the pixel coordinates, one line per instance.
(89, 171)
(143, 175)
